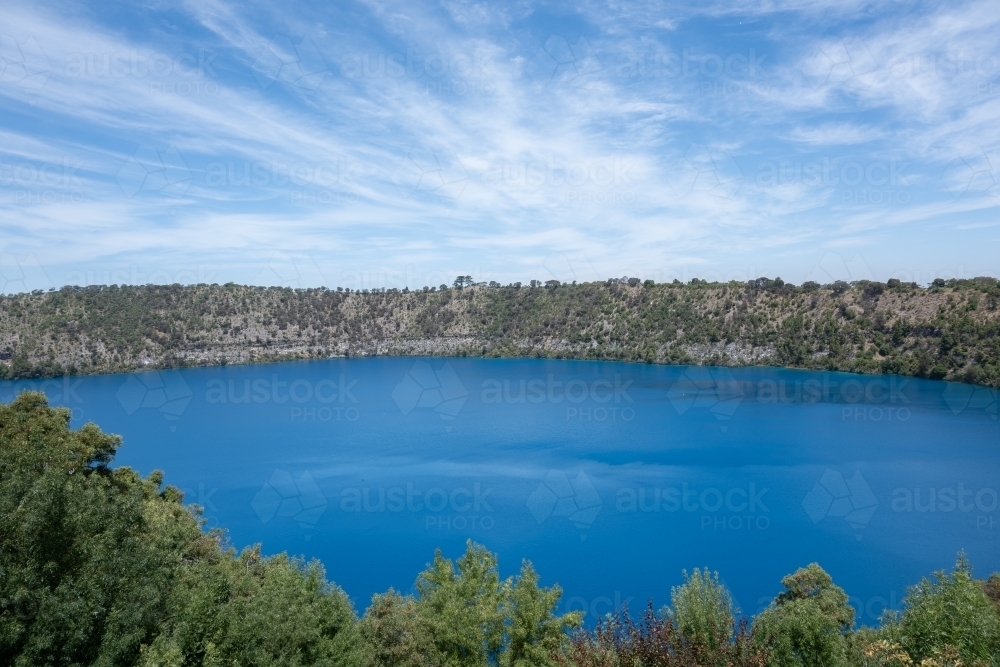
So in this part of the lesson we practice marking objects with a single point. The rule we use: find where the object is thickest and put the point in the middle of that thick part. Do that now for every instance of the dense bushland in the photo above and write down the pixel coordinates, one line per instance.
(949, 330)
(99, 566)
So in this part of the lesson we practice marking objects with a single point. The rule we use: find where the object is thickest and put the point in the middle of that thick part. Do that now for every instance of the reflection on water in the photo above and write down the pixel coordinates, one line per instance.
(610, 477)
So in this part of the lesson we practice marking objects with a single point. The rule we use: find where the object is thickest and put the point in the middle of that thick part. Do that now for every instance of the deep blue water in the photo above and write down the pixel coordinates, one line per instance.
(611, 478)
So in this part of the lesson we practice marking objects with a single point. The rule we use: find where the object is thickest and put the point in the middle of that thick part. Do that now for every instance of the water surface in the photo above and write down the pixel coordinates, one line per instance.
(610, 477)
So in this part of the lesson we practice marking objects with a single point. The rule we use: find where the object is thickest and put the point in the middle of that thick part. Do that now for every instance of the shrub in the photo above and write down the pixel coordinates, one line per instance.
(654, 640)
(948, 610)
(702, 610)
(475, 619)
(534, 632)
(395, 635)
(807, 624)
(100, 566)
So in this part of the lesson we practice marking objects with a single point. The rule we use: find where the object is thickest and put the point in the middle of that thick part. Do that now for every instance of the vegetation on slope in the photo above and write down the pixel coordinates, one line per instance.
(99, 566)
(948, 330)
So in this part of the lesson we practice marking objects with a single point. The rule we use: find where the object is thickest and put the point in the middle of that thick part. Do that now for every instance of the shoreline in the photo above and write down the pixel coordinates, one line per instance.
(949, 332)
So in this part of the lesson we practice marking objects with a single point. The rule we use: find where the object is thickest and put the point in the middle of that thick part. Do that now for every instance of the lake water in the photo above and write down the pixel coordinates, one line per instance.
(611, 478)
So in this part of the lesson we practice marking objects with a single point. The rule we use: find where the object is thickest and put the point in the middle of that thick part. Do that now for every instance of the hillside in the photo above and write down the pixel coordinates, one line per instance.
(948, 330)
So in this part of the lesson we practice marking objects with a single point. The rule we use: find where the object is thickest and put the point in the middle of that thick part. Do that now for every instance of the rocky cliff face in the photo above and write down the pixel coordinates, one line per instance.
(946, 331)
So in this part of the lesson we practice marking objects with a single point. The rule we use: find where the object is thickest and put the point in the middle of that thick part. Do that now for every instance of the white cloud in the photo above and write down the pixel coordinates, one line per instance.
(616, 155)
(836, 134)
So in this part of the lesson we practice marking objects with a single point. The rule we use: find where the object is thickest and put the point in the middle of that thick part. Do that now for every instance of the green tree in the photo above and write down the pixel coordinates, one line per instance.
(534, 630)
(948, 610)
(255, 612)
(807, 624)
(702, 611)
(395, 635)
(462, 604)
(465, 615)
(101, 567)
(86, 553)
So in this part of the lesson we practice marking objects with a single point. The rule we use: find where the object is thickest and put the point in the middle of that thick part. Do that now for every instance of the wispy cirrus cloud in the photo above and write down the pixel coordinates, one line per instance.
(402, 139)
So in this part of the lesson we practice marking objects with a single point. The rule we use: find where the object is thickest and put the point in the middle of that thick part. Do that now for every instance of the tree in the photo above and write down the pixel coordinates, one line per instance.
(475, 619)
(534, 630)
(807, 624)
(395, 635)
(463, 606)
(100, 566)
(702, 610)
(256, 612)
(948, 611)
(84, 558)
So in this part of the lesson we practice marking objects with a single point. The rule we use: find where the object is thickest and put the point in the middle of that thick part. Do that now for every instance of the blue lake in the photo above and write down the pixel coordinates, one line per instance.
(611, 478)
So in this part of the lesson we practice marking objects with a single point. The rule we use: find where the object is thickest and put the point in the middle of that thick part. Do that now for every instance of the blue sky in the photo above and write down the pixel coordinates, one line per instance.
(397, 144)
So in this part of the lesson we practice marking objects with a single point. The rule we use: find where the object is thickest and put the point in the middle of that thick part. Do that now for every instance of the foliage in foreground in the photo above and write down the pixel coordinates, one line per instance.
(99, 566)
